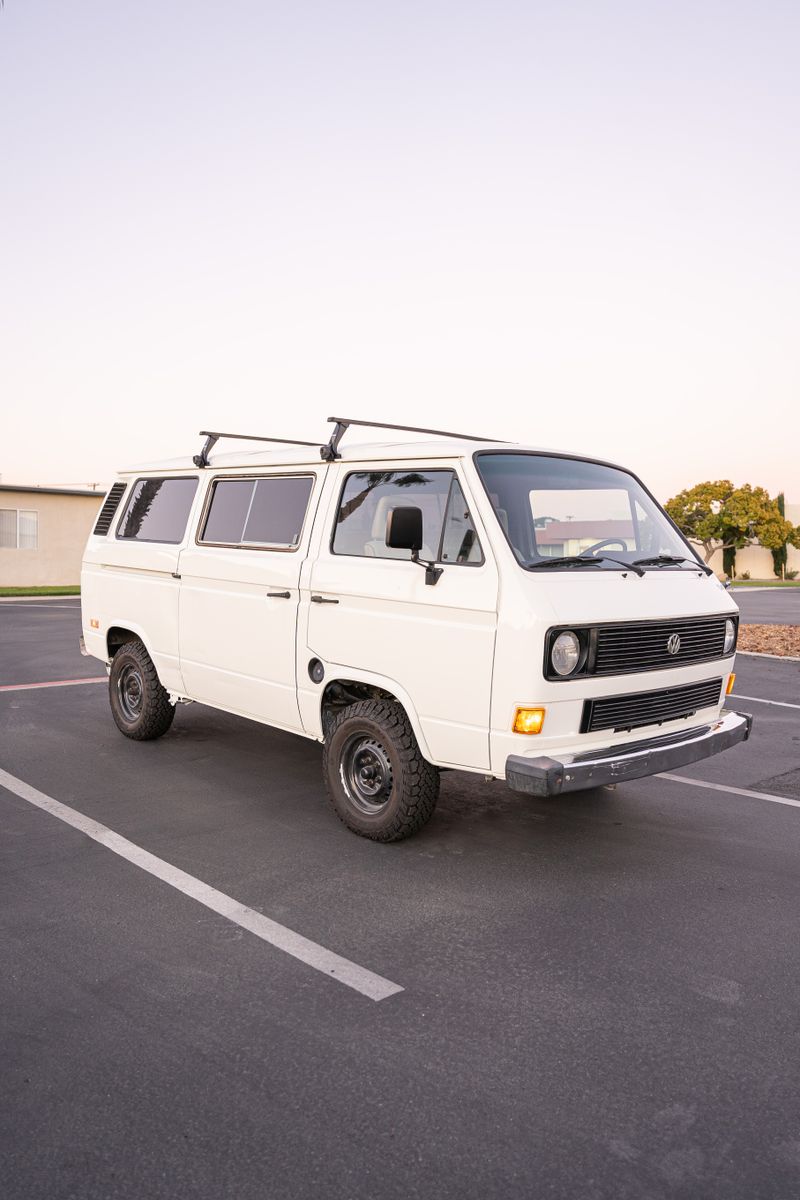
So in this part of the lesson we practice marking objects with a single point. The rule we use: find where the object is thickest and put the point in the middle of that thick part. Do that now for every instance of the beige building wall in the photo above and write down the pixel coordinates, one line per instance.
(757, 560)
(64, 522)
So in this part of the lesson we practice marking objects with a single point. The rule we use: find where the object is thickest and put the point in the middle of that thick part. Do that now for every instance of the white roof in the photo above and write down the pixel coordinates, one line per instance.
(293, 456)
(279, 456)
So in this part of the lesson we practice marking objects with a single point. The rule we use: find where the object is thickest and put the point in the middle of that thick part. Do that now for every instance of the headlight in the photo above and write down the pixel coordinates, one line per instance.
(565, 653)
(730, 636)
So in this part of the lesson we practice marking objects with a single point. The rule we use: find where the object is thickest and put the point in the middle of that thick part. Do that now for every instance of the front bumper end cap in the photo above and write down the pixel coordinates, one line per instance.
(551, 776)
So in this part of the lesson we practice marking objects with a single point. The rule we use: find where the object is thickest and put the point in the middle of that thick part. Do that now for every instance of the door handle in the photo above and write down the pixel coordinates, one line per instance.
(323, 600)
(279, 595)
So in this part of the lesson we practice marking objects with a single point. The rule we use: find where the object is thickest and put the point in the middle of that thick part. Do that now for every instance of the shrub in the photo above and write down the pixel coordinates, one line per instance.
(791, 574)
(745, 575)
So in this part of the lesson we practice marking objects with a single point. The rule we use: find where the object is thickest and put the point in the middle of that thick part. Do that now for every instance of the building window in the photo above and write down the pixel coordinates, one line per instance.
(28, 531)
(19, 529)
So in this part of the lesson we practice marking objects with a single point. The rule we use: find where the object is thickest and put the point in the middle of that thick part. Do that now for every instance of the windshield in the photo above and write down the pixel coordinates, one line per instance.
(556, 510)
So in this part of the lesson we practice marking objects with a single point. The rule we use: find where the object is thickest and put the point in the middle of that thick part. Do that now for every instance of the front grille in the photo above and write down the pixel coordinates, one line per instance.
(636, 709)
(623, 649)
(106, 514)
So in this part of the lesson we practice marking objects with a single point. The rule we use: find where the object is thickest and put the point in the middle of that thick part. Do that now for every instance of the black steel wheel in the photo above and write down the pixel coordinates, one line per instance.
(139, 704)
(377, 780)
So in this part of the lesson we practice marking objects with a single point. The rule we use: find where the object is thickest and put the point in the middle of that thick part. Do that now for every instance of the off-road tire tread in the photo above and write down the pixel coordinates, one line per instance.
(421, 778)
(159, 713)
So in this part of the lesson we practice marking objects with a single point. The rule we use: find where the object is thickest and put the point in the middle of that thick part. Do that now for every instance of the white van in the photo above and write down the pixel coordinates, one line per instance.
(460, 603)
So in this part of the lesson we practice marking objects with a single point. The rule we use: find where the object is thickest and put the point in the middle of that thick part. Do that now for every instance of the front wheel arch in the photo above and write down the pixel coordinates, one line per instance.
(366, 686)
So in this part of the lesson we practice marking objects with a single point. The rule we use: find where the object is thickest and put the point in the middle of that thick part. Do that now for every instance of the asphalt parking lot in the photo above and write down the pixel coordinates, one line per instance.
(599, 993)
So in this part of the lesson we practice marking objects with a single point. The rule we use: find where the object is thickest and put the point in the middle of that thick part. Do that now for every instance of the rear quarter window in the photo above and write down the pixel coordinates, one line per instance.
(158, 510)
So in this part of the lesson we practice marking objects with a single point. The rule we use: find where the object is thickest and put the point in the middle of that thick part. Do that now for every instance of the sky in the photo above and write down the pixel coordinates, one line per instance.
(567, 224)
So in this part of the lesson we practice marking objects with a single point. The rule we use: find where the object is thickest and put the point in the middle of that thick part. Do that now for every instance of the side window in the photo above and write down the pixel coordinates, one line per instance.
(459, 539)
(19, 529)
(158, 510)
(369, 496)
(267, 512)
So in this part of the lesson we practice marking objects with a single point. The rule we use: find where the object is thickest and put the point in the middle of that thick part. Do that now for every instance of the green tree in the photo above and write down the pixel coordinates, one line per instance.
(717, 516)
(780, 555)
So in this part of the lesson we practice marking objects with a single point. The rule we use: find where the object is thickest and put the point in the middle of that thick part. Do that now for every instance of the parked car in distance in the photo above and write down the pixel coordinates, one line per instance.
(457, 603)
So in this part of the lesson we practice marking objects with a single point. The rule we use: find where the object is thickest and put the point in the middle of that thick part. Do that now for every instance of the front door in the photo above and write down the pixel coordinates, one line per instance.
(239, 595)
(373, 612)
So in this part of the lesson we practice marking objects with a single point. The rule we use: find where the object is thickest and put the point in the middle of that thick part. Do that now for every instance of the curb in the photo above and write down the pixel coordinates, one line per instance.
(764, 654)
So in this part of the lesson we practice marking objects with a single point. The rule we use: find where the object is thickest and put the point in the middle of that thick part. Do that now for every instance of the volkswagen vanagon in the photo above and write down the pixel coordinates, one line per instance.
(414, 606)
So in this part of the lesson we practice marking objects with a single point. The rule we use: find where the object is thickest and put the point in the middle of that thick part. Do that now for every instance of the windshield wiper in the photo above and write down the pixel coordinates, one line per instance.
(665, 560)
(578, 560)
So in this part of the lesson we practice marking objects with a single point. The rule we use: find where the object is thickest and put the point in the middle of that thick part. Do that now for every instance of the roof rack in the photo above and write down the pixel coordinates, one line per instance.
(201, 459)
(330, 451)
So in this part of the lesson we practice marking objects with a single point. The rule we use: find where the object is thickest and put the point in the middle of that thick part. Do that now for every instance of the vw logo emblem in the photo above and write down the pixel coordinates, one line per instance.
(673, 643)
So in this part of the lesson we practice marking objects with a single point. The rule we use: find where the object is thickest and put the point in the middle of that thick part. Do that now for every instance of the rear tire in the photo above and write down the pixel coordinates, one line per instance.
(376, 778)
(139, 704)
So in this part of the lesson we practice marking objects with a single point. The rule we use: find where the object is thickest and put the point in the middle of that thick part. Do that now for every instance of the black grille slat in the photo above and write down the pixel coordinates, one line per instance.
(110, 506)
(625, 649)
(636, 709)
(656, 657)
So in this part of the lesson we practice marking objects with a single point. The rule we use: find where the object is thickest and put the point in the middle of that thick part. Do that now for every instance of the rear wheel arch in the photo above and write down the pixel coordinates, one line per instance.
(118, 635)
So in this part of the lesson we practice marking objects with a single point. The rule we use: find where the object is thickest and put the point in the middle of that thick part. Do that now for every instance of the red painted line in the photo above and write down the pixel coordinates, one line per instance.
(24, 687)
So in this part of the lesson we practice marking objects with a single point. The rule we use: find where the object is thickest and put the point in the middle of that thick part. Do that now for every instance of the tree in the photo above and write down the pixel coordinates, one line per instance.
(780, 556)
(717, 516)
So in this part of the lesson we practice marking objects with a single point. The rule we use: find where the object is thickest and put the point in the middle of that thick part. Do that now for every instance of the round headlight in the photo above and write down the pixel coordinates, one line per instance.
(730, 636)
(565, 653)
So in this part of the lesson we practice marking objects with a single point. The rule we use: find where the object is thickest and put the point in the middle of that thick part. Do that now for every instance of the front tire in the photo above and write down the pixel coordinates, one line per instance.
(377, 780)
(139, 704)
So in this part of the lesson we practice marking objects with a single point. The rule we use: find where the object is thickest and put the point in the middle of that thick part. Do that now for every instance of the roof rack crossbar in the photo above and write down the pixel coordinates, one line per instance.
(342, 424)
(201, 459)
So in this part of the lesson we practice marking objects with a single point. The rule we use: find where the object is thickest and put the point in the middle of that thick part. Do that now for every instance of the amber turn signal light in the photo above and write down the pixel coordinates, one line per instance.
(731, 682)
(528, 720)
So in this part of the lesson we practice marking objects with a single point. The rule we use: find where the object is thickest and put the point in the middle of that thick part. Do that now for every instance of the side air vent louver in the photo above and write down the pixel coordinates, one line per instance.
(110, 506)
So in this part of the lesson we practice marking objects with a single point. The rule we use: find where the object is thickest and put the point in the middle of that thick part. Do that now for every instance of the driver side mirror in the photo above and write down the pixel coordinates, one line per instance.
(404, 532)
(404, 528)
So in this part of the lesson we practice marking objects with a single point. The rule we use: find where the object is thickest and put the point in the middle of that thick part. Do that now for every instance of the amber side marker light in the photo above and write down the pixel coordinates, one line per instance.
(528, 720)
(731, 682)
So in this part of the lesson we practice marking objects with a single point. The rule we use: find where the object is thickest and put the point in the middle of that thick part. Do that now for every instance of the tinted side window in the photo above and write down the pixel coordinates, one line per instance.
(230, 504)
(369, 496)
(278, 511)
(158, 510)
(258, 512)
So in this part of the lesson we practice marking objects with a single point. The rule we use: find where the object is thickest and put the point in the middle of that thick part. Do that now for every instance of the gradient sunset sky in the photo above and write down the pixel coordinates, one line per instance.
(567, 224)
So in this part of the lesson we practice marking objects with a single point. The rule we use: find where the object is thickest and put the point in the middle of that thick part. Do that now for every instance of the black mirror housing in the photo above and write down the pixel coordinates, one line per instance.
(404, 528)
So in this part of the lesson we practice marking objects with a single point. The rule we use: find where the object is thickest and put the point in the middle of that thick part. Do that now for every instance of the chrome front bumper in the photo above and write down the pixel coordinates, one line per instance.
(552, 776)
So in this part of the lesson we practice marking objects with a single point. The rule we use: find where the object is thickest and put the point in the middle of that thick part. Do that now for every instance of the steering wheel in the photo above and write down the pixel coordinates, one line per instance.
(606, 542)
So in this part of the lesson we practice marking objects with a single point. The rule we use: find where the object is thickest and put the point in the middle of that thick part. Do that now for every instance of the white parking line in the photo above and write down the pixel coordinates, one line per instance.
(722, 787)
(375, 987)
(26, 687)
(759, 700)
(31, 604)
